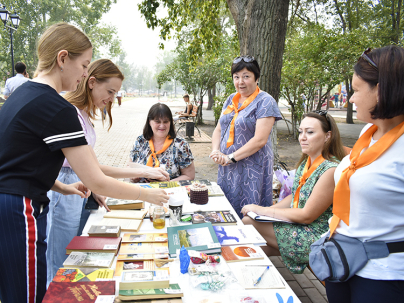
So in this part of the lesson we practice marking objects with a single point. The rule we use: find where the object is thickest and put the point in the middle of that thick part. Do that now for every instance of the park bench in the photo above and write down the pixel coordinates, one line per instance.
(192, 118)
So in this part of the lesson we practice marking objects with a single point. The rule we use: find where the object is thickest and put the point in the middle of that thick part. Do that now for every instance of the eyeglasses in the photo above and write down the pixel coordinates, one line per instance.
(367, 59)
(323, 113)
(246, 59)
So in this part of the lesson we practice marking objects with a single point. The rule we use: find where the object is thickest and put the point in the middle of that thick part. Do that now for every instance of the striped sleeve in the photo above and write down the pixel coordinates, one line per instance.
(64, 130)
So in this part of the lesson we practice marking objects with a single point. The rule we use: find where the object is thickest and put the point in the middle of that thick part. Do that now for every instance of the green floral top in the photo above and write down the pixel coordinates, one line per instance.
(294, 240)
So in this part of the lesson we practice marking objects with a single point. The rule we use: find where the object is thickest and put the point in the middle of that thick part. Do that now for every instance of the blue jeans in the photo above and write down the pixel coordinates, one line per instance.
(66, 219)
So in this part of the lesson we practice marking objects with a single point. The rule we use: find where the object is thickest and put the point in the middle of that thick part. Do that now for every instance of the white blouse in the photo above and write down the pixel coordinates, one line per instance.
(377, 208)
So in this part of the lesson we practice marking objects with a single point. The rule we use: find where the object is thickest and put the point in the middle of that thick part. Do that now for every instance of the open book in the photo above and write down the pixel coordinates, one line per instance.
(261, 218)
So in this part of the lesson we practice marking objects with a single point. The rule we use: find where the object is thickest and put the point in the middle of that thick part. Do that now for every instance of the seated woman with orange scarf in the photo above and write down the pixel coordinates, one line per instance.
(310, 204)
(160, 147)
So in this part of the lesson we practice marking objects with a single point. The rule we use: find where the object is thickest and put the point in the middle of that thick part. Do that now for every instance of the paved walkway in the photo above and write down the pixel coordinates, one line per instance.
(113, 147)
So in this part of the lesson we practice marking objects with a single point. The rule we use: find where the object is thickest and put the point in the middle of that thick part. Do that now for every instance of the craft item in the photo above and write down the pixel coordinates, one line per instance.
(175, 204)
(173, 218)
(184, 260)
(198, 257)
(199, 194)
(159, 221)
(161, 262)
(186, 218)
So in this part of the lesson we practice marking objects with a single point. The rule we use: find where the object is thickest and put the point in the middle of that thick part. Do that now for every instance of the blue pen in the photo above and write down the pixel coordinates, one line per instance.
(259, 279)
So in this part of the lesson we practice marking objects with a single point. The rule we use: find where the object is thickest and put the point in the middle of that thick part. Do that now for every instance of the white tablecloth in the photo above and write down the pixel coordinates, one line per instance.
(195, 295)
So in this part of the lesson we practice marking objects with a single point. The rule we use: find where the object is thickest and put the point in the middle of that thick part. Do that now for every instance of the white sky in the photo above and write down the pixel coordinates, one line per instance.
(139, 42)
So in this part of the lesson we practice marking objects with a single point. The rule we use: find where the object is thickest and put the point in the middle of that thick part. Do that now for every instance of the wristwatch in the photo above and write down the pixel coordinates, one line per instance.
(231, 157)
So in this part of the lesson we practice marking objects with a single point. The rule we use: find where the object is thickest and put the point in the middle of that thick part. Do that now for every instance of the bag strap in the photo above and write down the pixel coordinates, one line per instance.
(395, 247)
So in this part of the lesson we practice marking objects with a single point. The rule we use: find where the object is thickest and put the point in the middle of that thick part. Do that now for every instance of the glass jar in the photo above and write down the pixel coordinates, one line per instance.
(159, 215)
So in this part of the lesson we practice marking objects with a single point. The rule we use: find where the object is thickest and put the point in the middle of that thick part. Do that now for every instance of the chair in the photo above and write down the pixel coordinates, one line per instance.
(191, 118)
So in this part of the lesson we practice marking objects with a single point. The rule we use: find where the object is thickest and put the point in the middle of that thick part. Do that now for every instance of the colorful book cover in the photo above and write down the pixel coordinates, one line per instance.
(141, 257)
(173, 291)
(104, 231)
(214, 217)
(200, 237)
(237, 253)
(93, 244)
(167, 184)
(82, 274)
(124, 204)
(144, 237)
(190, 182)
(88, 259)
(147, 279)
(84, 292)
(133, 265)
(144, 248)
(239, 234)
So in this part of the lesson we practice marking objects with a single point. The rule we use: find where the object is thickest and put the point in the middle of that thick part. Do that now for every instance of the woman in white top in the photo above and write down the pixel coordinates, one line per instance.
(371, 207)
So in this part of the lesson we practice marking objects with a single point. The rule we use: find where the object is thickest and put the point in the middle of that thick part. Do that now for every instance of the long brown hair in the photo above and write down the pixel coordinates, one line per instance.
(102, 70)
(60, 36)
(333, 147)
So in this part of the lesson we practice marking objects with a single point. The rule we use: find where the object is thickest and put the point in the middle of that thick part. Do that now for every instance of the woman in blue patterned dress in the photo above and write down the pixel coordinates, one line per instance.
(241, 142)
(310, 204)
(160, 147)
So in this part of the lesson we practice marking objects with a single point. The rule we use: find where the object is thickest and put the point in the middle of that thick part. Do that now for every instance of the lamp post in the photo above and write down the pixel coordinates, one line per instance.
(15, 22)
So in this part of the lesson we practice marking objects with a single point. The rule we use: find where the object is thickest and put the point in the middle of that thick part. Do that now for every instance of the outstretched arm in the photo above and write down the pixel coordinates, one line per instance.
(87, 168)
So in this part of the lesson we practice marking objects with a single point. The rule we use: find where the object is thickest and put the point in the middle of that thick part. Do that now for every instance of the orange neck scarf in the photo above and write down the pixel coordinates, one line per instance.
(154, 154)
(305, 175)
(341, 201)
(234, 107)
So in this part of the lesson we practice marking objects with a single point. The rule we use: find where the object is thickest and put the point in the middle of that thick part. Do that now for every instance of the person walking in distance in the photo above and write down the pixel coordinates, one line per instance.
(14, 82)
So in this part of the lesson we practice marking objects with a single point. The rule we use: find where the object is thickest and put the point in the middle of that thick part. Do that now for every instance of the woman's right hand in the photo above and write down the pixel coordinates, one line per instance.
(157, 173)
(154, 195)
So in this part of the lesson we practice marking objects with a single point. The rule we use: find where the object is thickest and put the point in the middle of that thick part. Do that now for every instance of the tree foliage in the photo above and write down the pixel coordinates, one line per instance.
(37, 15)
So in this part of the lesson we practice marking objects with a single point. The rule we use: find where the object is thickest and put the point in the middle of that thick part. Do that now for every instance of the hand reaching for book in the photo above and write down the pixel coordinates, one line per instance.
(101, 200)
(154, 195)
(157, 173)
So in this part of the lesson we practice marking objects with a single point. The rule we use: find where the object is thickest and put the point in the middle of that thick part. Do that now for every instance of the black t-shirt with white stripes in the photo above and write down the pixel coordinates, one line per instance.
(35, 124)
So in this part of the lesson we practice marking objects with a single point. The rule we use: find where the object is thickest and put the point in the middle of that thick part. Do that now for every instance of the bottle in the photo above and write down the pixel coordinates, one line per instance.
(159, 220)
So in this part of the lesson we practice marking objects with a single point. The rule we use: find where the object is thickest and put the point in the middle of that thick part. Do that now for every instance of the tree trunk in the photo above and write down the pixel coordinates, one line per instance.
(261, 27)
(349, 112)
(211, 94)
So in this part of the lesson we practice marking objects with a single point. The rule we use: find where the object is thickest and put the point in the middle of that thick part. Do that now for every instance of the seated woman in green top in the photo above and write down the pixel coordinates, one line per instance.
(310, 204)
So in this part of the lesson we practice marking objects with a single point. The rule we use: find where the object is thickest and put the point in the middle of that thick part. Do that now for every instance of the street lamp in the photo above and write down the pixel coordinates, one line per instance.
(15, 22)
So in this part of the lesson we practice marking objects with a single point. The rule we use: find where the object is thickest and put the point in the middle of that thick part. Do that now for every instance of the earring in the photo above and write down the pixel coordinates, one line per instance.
(61, 68)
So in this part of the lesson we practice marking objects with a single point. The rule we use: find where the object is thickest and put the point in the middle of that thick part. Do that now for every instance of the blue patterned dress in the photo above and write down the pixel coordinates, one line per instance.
(294, 240)
(249, 181)
(176, 157)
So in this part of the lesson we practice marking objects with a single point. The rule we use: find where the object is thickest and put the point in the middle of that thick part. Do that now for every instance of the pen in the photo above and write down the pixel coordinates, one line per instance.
(259, 279)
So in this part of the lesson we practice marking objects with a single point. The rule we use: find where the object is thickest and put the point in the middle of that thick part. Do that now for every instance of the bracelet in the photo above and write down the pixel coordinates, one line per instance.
(140, 190)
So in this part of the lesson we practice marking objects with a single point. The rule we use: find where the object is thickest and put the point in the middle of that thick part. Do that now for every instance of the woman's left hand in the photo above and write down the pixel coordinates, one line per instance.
(250, 207)
(77, 188)
(220, 158)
